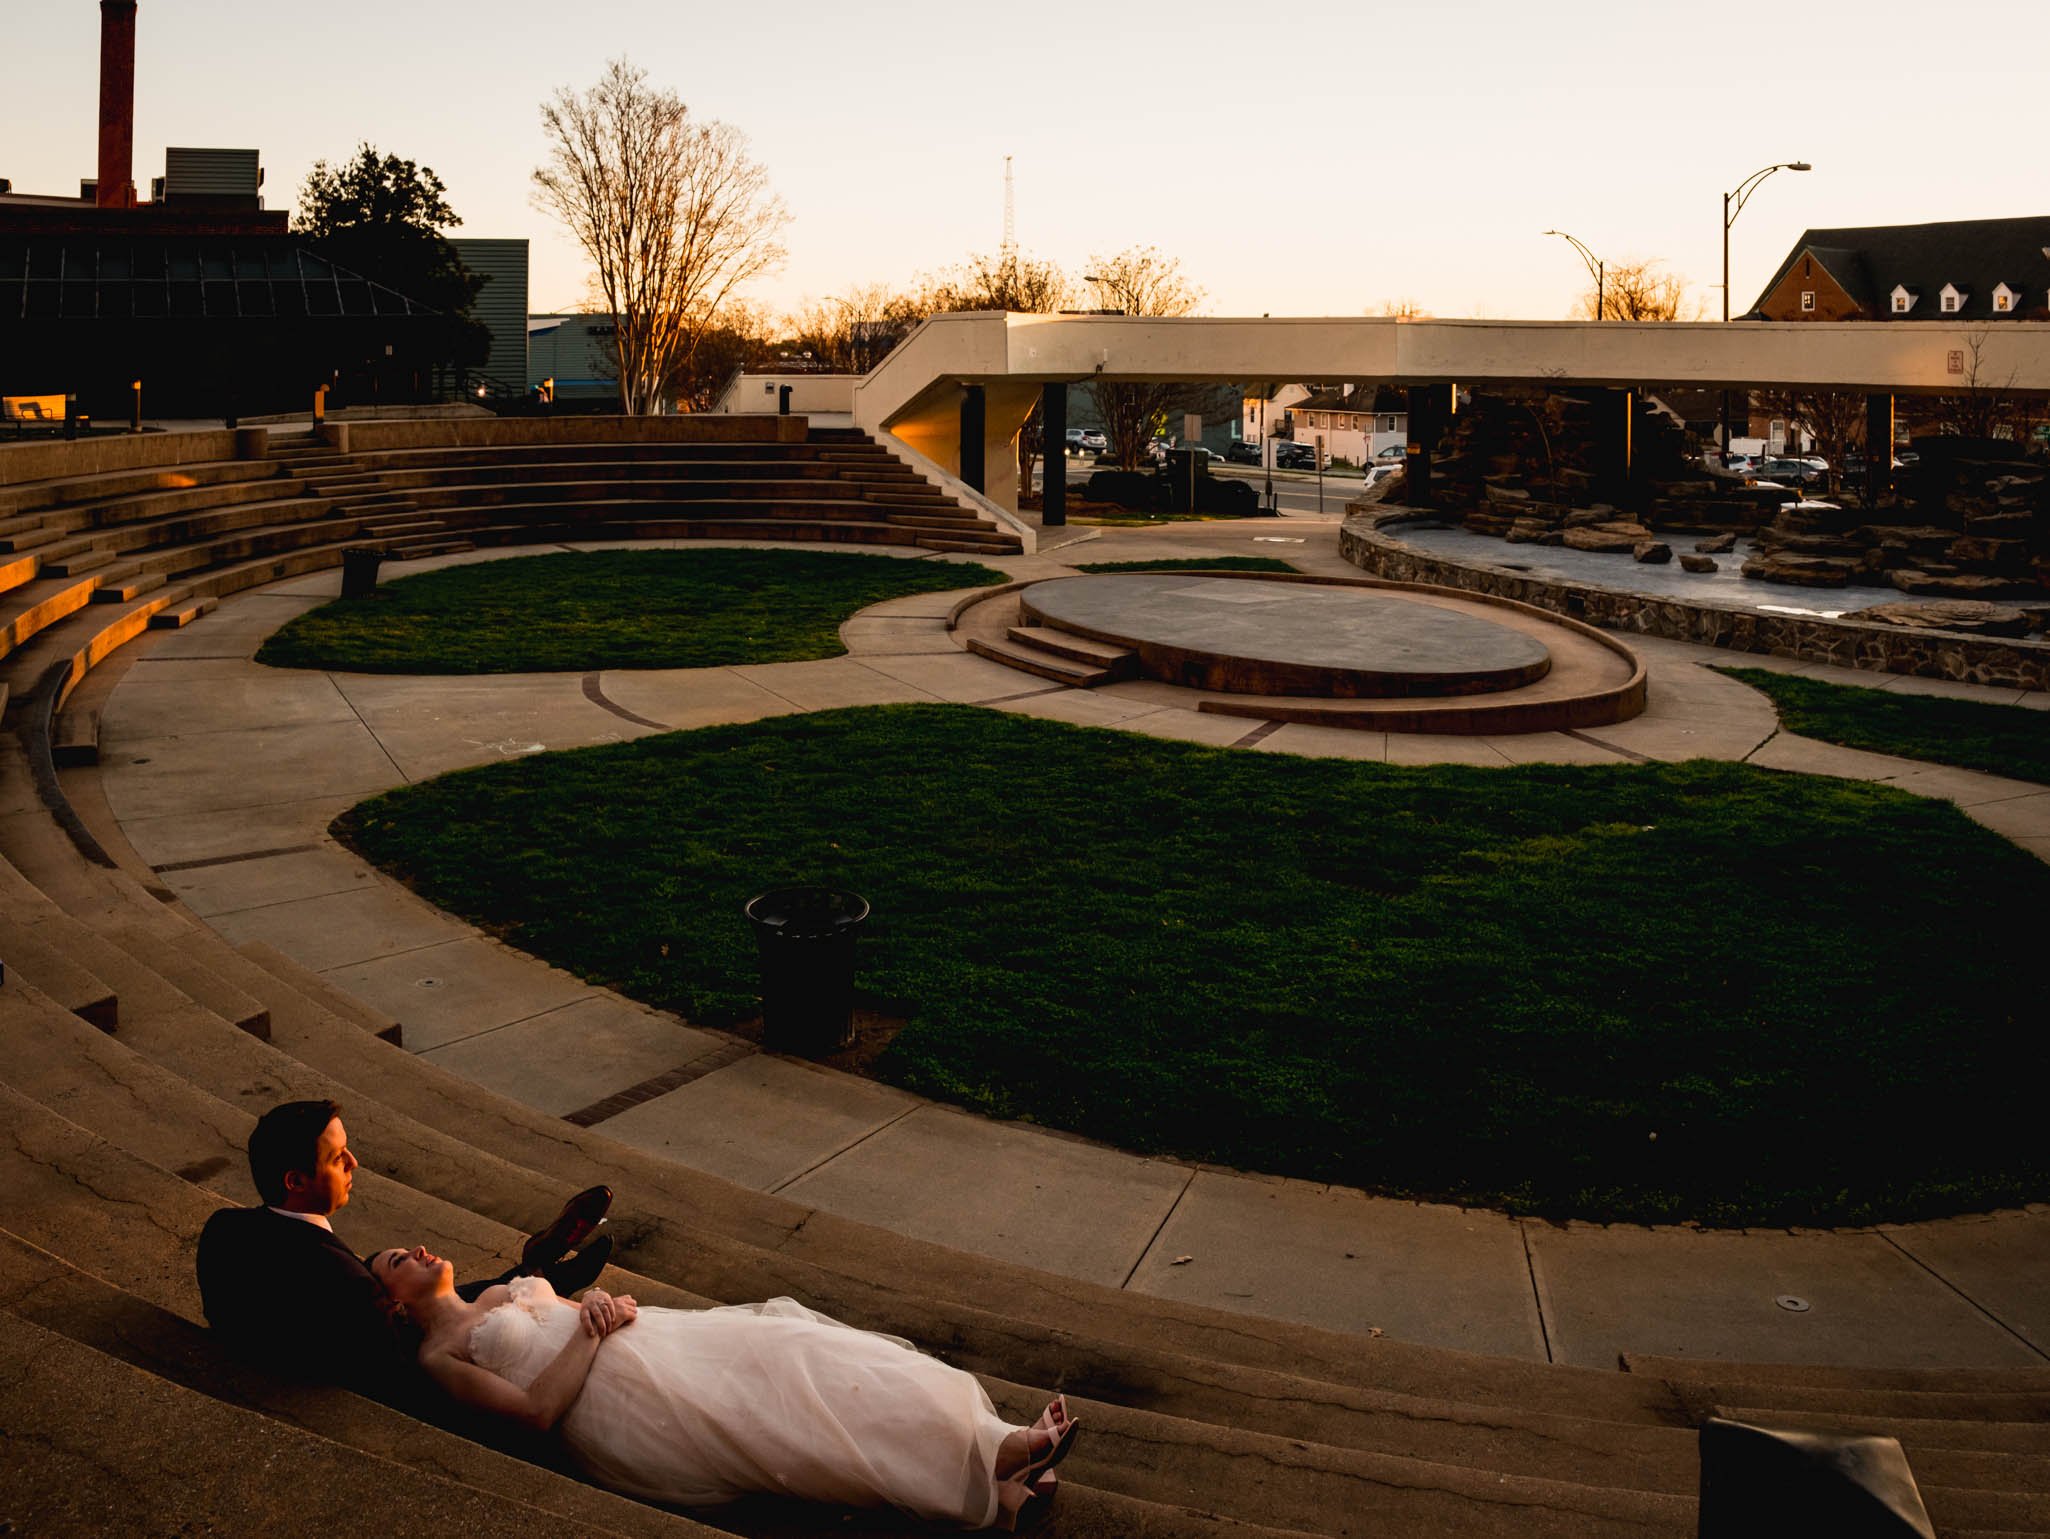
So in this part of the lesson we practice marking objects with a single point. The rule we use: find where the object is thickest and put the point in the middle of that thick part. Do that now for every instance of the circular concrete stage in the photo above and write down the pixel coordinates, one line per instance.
(1246, 636)
(1360, 653)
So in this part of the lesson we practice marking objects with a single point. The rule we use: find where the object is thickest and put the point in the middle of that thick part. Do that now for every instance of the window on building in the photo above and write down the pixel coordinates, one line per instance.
(2003, 299)
(1807, 299)
(1952, 299)
(1900, 304)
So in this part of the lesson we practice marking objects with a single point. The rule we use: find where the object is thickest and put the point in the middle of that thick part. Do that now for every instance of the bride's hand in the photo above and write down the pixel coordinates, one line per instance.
(624, 1311)
(598, 1314)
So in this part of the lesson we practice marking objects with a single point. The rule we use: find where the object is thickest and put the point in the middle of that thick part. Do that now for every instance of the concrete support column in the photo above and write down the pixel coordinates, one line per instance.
(1430, 409)
(973, 415)
(1878, 446)
(1614, 451)
(1053, 455)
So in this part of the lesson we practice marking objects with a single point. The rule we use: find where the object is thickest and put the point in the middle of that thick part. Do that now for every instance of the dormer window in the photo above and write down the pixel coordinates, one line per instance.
(1952, 299)
(1903, 299)
(2004, 299)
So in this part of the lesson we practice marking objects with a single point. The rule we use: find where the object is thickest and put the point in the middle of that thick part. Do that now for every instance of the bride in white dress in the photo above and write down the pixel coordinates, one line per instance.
(698, 1406)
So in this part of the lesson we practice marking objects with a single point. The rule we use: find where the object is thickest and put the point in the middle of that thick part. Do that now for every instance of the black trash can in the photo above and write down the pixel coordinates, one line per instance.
(806, 939)
(359, 570)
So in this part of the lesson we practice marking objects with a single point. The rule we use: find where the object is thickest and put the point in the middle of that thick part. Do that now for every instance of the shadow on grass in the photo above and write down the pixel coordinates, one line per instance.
(1659, 992)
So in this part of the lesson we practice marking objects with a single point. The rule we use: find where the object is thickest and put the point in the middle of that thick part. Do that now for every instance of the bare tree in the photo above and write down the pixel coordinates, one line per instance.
(1402, 310)
(1640, 291)
(1141, 281)
(1007, 280)
(1833, 419)
(854, 331)
(673, 214)
(1988, 407)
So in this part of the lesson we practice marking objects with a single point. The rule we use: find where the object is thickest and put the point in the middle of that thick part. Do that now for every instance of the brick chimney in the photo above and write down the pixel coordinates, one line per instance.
(117, 104)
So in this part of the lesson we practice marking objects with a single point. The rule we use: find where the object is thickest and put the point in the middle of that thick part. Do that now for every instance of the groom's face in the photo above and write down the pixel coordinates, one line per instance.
(325, 1187)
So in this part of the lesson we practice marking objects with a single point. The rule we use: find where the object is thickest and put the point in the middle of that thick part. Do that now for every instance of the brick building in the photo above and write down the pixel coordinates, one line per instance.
(1960, 270)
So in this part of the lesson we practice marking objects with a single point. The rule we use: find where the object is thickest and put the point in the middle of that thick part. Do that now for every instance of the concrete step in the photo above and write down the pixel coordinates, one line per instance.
(119, 588)
(35, 964)
(75, 738)
(48, 1292)
(1044, 664)
(995, 546)
(316, 990)
(122, 1451)
(77, 562)
(182, 615)
(29, 537)
(2028, 1440)
(1830, 1376)
(1121, 661)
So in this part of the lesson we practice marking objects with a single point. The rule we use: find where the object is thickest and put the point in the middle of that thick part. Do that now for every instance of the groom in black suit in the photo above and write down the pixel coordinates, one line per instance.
(277, 1282)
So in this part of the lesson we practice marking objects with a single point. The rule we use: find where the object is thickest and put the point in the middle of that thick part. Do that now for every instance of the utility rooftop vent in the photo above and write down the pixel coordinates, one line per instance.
(212, 176)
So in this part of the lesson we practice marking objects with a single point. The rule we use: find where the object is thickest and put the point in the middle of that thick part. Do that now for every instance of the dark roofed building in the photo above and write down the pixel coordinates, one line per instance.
(1959, 270)
(212, 323)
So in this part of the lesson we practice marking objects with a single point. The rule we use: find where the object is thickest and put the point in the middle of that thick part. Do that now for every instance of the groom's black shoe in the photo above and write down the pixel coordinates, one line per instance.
(581, 1270)
(576, 1223)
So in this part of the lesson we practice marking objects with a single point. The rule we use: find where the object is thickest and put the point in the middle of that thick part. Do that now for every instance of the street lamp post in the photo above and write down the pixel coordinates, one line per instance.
(1733, 205)
(1594, 266)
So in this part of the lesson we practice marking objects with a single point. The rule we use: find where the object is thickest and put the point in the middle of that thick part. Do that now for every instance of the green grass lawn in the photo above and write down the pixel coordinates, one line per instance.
(1653, 992)
(692, 608)
(1999, 739)
(1192, 564)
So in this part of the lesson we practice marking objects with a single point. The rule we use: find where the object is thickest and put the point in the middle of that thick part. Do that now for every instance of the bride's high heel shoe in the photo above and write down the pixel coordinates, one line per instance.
(1023, 1505)
(1053, 1453)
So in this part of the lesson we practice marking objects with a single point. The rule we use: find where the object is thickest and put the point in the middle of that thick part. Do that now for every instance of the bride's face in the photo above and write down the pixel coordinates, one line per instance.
(411, 1275)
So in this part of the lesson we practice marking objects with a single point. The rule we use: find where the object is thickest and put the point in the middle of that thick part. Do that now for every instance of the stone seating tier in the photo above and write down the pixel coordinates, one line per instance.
(118, 1142)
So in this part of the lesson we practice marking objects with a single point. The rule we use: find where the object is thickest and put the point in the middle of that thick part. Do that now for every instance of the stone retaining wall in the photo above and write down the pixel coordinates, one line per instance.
(510, 432)
(47, 459)
(1810, 638)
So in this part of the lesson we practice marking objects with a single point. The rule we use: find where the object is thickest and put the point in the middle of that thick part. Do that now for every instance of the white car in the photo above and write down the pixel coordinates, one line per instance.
(1376, 474)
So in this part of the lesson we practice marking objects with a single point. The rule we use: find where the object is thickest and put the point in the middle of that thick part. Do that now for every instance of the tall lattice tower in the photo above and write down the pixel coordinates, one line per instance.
(1010, 211)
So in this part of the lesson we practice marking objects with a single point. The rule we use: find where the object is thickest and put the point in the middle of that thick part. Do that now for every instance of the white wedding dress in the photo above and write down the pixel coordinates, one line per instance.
(699, 1406)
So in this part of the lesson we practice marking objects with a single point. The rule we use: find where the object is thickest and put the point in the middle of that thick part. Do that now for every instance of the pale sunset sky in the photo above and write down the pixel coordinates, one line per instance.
(1299, 160)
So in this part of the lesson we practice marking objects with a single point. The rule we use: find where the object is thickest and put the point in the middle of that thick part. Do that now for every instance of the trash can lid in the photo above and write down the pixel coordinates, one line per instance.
(807, 911)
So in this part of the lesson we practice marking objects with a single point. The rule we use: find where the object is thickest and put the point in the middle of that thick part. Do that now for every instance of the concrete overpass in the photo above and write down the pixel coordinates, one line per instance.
(956, 392)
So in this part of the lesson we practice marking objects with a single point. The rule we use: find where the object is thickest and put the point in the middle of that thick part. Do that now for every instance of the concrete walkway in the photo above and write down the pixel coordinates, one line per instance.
(224, 775)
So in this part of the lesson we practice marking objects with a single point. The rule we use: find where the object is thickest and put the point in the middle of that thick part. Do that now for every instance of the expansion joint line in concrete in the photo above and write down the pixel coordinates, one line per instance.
(1954, 1288)
(1159, 1229)
(1537, 1294)
(1030, 694)
(371, 731)
(595, 693)
(1595, 742)
(846, 1148)
(1259, 734)
(1763, 743)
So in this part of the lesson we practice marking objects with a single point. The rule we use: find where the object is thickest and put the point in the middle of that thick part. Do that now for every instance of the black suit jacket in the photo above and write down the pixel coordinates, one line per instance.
(293, 1295)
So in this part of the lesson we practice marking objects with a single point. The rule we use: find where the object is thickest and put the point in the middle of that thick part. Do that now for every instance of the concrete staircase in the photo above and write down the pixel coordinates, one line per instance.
(136, 1046)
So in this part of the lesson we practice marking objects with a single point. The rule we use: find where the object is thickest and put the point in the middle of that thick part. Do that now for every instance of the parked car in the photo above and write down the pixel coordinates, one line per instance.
(1242, 451)
(1071, 443)
(1295, 456)
(1393, 454)
(1376, 474)
(1094, 441)
(1784, 472)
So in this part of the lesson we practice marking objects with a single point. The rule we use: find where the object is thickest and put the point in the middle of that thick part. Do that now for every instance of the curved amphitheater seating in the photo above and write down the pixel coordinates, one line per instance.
(136, 1046)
